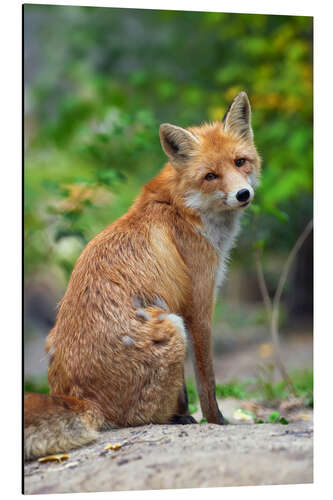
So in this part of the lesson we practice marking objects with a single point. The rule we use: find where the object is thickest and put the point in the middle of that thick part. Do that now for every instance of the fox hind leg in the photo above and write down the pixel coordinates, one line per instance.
(182, 415)
(167, 336)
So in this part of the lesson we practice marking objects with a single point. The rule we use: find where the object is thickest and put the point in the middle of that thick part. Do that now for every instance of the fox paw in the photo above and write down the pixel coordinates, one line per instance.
(183, 419)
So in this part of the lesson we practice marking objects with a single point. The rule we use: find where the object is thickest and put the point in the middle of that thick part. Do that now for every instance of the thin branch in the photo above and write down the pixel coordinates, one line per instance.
(277, 297)
(291, 256)
(262, 285)
(272, 307)
(269, 310)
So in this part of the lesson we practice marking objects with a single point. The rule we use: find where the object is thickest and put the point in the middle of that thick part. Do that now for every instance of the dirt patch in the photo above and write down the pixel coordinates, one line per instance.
(196, 456)
(176, 456)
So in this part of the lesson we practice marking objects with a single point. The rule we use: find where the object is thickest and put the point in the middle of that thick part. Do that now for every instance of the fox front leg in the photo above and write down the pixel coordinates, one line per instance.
(203, 359)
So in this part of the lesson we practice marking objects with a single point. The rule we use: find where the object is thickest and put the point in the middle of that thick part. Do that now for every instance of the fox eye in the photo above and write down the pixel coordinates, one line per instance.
(211, 176)
(240, 162)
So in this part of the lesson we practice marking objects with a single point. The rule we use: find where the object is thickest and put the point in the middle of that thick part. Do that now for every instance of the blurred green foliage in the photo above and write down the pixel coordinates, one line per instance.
(233, 389)
(266, 389)
(261, 388)
(37, 384)
(98, 81)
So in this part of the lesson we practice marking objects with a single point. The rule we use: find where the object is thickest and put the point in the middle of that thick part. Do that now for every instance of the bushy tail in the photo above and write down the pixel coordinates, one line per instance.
(54, 424)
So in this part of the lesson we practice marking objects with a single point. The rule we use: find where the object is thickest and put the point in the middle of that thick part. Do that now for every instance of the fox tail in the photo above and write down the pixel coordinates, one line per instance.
(54, 424)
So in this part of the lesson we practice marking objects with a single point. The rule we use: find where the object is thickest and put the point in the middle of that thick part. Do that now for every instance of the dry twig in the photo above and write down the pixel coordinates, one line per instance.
(273, 306)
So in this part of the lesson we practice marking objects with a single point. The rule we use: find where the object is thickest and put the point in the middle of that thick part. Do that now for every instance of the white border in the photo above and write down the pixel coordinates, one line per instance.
(283, 7)
(11, 241)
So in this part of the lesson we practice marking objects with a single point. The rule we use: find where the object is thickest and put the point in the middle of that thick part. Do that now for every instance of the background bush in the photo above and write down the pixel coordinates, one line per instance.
(99, 81)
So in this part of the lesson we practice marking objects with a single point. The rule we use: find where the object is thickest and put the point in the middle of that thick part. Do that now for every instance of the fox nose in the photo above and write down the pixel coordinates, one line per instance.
(243, 195)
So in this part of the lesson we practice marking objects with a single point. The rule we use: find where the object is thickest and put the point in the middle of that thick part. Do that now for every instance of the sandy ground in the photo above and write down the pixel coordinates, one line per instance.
(191, 456)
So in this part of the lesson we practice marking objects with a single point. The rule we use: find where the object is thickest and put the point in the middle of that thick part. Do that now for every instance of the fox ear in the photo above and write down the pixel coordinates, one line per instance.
(177, 143)
(237, 120)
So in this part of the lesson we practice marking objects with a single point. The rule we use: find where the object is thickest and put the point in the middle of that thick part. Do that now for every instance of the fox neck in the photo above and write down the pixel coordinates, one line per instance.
(220, 229)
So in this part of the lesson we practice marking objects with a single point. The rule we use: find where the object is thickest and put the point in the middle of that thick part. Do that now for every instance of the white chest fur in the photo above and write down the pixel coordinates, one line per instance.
(221, 229)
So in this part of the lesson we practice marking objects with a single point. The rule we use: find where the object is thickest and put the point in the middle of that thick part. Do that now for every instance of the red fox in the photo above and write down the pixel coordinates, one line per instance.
(142, 287)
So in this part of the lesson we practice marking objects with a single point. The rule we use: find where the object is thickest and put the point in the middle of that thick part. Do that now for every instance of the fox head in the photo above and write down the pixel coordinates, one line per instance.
(216, 165)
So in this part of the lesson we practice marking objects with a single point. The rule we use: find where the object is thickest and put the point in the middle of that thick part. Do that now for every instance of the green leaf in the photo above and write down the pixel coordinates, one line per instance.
(273, 417)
